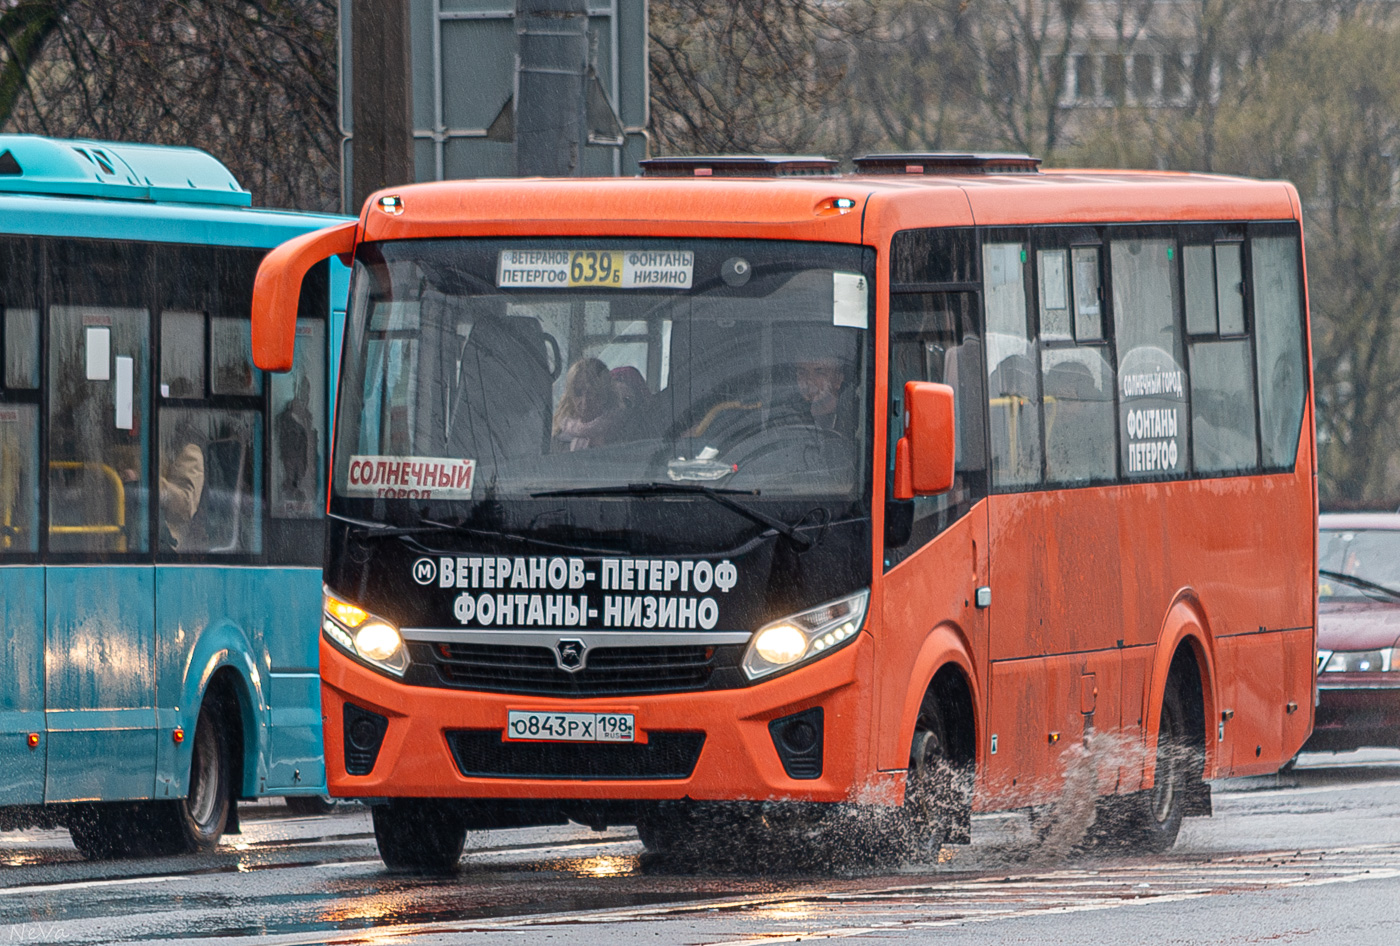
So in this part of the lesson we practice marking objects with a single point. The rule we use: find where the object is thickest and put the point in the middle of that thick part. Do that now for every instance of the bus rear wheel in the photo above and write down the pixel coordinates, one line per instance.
(419, 835)
(1149, 821)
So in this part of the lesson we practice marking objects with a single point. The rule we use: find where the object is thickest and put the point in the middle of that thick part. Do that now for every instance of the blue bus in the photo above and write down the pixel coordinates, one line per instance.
(161, 500)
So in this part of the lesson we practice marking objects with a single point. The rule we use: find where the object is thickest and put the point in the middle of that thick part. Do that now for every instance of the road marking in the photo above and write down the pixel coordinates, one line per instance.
(496, 853)
(1314, 790)
(959, 901)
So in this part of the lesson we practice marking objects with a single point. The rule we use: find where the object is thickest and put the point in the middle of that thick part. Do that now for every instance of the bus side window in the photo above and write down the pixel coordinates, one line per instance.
(19, 481)
(99, 385)
(1076, 375)
(933, 337)
(19, 409)
(1013, 382)
(209, 480)
(1278, 329)
(298, 418)
(1222, 370)
(1151, 381)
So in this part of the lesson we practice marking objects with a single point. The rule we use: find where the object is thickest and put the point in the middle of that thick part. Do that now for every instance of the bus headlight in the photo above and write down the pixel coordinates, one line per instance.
(806, 635)
(372, 639)
(378, 641)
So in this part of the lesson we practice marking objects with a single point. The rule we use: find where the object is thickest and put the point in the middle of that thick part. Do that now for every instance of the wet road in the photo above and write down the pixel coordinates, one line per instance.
(1313, 857)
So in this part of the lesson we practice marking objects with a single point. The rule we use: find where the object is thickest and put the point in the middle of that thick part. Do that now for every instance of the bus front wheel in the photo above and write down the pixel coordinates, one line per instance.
(197, 821)
(937, 789)
(419, 835)
(165, 828)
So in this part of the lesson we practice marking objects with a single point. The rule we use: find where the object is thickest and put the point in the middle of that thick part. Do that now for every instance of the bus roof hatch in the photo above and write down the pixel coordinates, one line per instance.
(947, 162)
(30, 164)
(740, 165)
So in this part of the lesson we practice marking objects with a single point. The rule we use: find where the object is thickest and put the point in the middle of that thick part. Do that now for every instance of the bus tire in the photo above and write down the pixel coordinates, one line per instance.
(938, 786)
(1149, 821)
(419, 835)
(196, 822)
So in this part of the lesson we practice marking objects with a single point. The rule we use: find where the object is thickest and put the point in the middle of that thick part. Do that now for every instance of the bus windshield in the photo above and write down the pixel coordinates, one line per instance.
(519, 369)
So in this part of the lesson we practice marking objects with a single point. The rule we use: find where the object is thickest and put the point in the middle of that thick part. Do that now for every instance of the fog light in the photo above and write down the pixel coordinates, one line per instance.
(781, 644)
(798, 739)
(377, 641)
(363, 734)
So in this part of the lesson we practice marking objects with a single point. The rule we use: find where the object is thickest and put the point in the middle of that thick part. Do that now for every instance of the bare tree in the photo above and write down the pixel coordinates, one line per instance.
(745, 75)
(24, 26)
(251, 81)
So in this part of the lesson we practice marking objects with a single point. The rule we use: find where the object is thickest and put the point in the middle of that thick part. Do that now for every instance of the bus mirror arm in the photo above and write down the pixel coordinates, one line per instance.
(923, 457)
(277, 291)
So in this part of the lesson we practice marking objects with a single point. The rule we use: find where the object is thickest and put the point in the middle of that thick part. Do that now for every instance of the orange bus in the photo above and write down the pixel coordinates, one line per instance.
(755, 483)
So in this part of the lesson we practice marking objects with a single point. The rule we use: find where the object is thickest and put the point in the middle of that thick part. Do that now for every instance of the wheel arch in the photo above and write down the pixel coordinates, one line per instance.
(1185, 639)
(944, 663)
(223, 666)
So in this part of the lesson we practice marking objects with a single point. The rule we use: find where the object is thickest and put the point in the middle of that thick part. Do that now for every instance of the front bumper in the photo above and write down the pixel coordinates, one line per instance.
(1352, 713)
(738, 759)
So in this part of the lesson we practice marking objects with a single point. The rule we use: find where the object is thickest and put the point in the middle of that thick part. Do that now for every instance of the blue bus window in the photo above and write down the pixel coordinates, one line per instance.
(21, 348)
(299, 427)
(19, 468)
(209, 485)
(182, 354)
(231, 352)
(97, 454)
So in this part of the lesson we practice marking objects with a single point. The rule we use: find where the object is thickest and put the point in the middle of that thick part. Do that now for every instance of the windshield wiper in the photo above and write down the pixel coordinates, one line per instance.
(377, 530)
(722, 496)
(1361, 583)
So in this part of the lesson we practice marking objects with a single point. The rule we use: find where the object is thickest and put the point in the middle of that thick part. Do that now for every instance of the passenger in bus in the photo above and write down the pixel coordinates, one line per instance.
(590, 413)
(635, 398)
(824, 400)
(295, 430)
(181, 488)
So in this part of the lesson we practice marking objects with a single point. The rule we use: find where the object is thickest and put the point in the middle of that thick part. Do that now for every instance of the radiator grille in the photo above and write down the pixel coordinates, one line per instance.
(482, 753)
(610, 671)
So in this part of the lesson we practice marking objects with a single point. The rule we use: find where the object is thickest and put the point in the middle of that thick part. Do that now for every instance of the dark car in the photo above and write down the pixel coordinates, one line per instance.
(1358, 632)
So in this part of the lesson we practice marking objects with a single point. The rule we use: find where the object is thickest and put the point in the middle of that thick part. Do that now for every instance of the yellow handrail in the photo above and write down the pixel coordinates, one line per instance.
(117, 526)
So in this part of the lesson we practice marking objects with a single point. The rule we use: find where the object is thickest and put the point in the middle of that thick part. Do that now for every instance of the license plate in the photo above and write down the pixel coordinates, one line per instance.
(532, 726)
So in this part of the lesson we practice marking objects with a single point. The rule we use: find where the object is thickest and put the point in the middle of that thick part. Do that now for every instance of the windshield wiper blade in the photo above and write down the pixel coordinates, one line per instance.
(1361, 583)
(725, 497)
(378, 529)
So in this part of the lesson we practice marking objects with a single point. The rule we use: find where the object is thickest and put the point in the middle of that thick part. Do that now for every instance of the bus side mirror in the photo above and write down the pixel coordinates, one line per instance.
(923, 458)
(277, 290)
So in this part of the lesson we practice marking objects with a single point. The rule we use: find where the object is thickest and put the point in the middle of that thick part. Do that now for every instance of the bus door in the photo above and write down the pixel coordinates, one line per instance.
(1054, 538)
(935, 546)
(23, 747)
(100, 608)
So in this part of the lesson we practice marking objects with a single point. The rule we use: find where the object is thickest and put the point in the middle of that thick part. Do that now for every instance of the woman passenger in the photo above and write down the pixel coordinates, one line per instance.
(590, 413)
